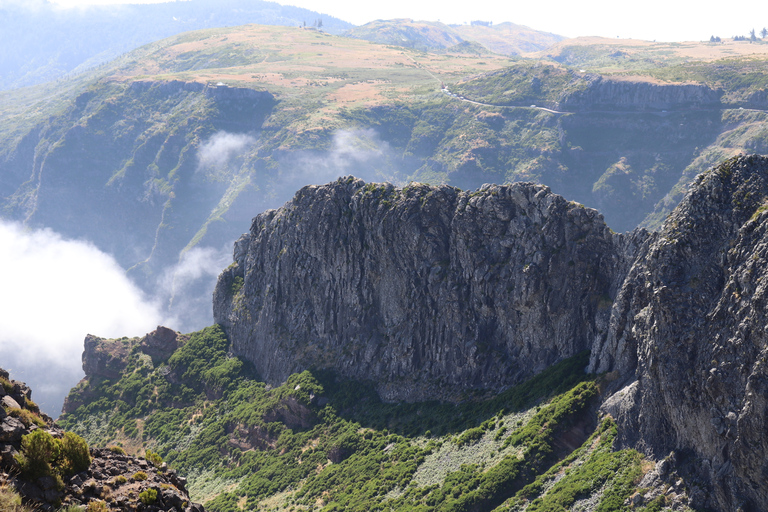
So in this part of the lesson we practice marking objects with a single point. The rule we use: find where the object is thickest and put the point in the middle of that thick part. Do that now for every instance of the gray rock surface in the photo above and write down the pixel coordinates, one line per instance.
(430, 292)
(689, 325)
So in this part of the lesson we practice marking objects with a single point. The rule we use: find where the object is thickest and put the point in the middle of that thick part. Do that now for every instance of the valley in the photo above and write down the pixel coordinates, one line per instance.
(475, 268)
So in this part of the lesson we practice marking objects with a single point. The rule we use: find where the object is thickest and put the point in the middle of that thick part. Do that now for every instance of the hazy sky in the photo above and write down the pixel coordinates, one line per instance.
(662, 20)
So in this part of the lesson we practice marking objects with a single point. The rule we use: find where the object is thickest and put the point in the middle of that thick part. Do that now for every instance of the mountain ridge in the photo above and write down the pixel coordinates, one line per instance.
(707, 262)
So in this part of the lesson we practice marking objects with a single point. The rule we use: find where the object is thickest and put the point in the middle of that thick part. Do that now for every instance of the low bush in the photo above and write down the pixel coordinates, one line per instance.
(148, 496)
(97, 506)
(39, 450)
(140, 476)
(74, 453)
(154, 458)
(27, 417)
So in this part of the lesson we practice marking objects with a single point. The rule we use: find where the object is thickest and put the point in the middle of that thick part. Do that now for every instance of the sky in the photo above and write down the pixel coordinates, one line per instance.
(660, 20)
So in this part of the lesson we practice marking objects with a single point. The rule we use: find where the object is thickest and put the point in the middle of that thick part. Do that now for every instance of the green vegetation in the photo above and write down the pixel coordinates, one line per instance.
(43, 455)
(26, 416)
(321, 442)
(10, 501)
(592, 469)
(148, 496)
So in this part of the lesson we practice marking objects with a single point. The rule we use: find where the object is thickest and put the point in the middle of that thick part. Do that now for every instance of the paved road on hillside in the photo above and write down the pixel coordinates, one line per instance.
(558, 112)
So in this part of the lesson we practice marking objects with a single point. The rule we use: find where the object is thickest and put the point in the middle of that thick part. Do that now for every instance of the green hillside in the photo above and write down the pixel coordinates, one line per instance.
(321, 443)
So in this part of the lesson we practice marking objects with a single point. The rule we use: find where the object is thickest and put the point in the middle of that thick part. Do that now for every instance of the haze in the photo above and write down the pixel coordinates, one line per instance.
(651, 20)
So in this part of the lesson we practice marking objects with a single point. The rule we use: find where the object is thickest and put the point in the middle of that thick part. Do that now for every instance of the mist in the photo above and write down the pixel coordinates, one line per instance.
(219, 151)
(185, 289)
(359, 152)
(55, 291)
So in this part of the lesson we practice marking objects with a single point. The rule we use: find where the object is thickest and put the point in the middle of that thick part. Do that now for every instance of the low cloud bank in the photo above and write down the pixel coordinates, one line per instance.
(186, 288)
(55, 291)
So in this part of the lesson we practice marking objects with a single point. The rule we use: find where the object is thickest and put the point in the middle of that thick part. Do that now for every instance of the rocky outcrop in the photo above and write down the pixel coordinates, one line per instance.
(119, 481)
(689, 328)
(106, 358)
(430, 292)
(620, 95)
(161, 343)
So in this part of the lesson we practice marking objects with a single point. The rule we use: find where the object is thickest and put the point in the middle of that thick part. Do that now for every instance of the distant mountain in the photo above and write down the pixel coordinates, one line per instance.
(40, 41)
(505, 38)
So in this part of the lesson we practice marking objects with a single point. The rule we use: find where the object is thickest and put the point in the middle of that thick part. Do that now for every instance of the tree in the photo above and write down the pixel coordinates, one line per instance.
(764, 33)
(752, 36)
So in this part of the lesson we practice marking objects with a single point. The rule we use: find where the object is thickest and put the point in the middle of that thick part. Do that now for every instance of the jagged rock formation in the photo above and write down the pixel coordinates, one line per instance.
(690, 326)
(424, 289)
(428, 291)
(105, 358)
(116, 479)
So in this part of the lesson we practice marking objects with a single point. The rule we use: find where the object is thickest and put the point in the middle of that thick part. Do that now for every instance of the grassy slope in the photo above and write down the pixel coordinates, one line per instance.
(320, 443)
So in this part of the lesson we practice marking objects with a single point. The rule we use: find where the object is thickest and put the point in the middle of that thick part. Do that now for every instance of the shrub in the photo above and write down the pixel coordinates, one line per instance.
(6, 385)
(97, 506)
(32, 406)
(116, 449)
(153, 457)
(10, 501)
(119, 480)
(140, 476)
(148, 496)
(39, 450)
(74, 453)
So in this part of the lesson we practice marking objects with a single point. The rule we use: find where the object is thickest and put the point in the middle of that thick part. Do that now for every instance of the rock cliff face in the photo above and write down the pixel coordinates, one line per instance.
(429, 291)
(689, 328)
(424, 290)
(618, 95)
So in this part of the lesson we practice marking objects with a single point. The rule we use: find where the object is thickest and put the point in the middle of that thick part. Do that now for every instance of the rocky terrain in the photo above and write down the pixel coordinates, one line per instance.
(428, 290)
(106, 478)
(688, 329)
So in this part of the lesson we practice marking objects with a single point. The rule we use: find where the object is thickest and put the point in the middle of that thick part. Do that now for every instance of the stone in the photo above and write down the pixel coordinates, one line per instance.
(689, 325)
(8, 402)
(11, 430)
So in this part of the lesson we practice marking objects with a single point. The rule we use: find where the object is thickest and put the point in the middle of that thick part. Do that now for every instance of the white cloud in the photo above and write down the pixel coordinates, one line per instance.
(222, 147)
(187, 287)
(54, 292)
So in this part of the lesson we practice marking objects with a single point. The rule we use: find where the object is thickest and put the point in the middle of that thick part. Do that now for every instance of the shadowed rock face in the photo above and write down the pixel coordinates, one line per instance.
(431, 292)
(428, 291)
(689, 324)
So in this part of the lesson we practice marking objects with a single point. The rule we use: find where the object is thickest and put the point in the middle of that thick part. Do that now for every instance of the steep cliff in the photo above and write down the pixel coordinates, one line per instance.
(619, 95)
(424, 290)
(430, 292)
(689, 328)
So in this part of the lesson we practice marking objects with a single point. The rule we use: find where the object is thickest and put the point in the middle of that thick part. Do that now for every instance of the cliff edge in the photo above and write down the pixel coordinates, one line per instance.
(430, 292)
(435, 293)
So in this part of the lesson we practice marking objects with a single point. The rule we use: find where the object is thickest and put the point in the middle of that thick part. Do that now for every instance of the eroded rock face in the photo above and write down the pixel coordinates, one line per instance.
(689, 324)
(104, 358)
(428, 291)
